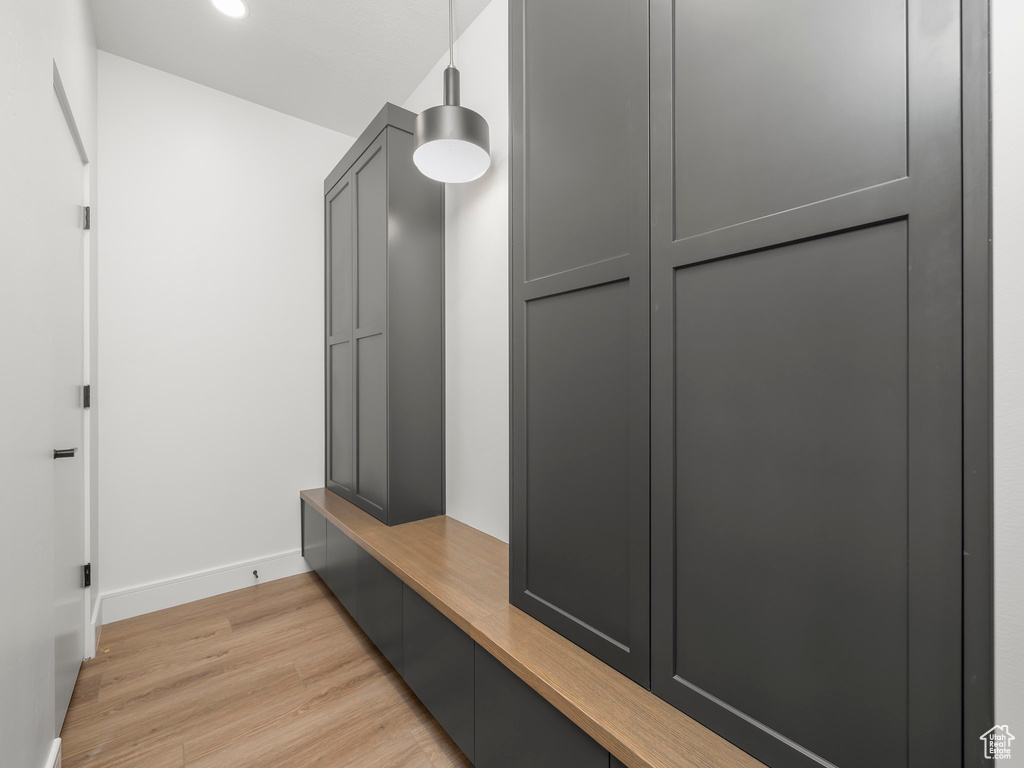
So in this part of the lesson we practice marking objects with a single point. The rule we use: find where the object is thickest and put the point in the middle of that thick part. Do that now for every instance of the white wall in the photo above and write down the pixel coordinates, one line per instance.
(211, 328)
(476, 286)
(32, 35)
(1008, 337)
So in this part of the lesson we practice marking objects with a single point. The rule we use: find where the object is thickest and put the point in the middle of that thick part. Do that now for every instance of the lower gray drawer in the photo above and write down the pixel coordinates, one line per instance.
(342, 564)
(314, 539)
(379, 607)
(515, 727)
(438, 659)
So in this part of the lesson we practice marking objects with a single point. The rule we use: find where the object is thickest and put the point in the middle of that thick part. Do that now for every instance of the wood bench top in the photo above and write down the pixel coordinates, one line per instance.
(463, 573)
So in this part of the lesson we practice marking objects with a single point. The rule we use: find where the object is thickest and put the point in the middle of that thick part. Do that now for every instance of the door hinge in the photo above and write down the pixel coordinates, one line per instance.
(87, 575)
(86, 217)
(86, 396)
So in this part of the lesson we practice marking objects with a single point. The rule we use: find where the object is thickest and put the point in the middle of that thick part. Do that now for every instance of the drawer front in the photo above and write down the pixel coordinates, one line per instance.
(379, 607)
(516, 727)
(438, 659)
(314, 539)
(342, 559)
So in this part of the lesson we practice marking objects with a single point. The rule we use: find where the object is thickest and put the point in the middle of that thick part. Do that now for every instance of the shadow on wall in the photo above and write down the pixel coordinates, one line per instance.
(476, 286)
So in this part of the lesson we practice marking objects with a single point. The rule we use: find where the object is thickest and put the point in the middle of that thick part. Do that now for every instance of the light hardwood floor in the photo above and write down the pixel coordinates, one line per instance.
(274, 675)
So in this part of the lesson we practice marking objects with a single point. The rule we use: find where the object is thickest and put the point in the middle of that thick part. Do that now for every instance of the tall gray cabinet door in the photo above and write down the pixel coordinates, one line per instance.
(370, 313)
(806, 368)
(580, 320)
(340, 238)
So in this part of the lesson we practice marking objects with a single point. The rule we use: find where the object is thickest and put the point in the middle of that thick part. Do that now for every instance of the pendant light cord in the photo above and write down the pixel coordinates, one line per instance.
(451, 33)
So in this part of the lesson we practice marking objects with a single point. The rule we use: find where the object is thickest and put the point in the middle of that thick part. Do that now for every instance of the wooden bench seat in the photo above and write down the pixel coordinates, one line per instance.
(463, 573)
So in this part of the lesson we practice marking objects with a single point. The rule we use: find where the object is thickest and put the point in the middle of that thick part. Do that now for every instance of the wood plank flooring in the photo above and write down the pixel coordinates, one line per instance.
(274, 675)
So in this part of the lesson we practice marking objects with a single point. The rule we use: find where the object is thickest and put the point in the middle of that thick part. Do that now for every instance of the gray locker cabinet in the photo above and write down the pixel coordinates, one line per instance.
(580, 319)
(314, 539)
(806, 377)
(342, 557)
(384, 366)
(379, 606)
(438, 665)
(515, 727)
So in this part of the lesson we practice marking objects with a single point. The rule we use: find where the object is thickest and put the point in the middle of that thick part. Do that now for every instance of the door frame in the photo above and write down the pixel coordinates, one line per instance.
(978, 508)
(87, 355)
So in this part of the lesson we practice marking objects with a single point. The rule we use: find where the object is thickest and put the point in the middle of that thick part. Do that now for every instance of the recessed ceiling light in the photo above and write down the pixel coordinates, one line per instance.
(236, 9)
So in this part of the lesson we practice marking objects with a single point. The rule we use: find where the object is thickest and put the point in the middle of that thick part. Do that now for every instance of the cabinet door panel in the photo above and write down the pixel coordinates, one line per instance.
(371, 239)
(806, 366)
(577, 68)
(580, 321)
(577, 457)
(371, 426)
(791, 374)
(746, 148)
(515, 727)
(341, 423)
(340, 241)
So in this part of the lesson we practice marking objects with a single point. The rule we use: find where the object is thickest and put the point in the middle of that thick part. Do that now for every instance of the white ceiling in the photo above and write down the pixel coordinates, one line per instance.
(331, 62)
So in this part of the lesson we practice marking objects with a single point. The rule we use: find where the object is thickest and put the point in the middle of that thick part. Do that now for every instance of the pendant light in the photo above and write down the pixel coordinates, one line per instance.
(453, 143)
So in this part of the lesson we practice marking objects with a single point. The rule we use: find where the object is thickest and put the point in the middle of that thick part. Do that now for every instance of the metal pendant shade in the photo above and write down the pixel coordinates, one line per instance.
(453, 143)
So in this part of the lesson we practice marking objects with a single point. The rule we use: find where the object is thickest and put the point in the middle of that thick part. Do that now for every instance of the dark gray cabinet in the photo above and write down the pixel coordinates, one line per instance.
(342, 557)
(437, 660)
(806, 367)
(385, 326)
(580, 319)
(314, 539)
(757, 414)
(379, 606)
(515, 727)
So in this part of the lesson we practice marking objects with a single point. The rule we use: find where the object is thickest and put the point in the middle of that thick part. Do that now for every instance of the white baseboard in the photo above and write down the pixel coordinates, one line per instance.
(155, 596)
(53, 759)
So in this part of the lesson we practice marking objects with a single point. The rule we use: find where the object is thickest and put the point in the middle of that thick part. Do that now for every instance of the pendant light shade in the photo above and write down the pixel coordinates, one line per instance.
(453, 143)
